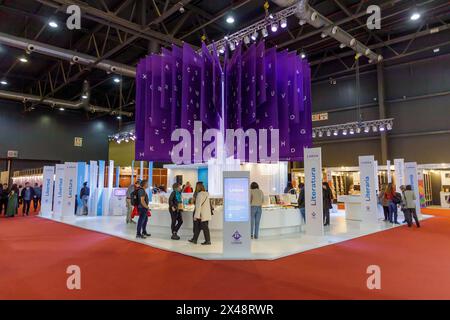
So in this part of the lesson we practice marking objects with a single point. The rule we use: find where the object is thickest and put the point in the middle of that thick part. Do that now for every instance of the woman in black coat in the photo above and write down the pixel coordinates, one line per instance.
(327, 196)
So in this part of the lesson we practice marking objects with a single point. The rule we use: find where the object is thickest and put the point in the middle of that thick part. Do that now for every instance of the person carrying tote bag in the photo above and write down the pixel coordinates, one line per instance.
(202, 216)
(176, 209)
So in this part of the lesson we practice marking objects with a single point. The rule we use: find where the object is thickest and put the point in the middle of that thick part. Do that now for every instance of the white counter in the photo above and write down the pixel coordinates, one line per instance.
(444, 199)
(274, 220)
(352, 206)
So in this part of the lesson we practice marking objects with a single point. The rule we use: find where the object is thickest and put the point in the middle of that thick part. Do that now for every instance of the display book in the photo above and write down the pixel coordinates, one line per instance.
(160, 201)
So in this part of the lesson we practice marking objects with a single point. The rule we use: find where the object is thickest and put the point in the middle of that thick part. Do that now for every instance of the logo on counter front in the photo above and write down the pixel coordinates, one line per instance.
(236, 237)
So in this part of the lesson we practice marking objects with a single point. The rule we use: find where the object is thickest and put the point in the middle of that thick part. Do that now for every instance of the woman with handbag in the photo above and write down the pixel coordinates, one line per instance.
(176, 209)
(202, 216)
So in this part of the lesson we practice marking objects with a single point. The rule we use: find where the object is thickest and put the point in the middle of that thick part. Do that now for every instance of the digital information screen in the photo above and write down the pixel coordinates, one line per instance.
(236, 199)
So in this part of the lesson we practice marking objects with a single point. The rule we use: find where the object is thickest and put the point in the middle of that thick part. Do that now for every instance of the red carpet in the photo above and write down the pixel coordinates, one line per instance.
(34, 255)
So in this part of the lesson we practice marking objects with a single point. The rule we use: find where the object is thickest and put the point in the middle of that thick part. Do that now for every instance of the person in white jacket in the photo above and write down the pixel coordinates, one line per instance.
(202, 216)
(409, 207)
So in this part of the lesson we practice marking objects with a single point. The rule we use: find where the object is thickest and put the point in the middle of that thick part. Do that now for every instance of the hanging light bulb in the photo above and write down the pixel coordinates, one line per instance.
(274, 27)
(283, 23)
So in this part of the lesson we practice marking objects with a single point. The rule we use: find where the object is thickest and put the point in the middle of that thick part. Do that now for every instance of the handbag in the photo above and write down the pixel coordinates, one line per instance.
(210, 206)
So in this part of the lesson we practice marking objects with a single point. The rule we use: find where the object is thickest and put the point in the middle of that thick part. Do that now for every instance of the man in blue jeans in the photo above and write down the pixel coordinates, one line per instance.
(27, 195)
(143, 208)
(301, 202)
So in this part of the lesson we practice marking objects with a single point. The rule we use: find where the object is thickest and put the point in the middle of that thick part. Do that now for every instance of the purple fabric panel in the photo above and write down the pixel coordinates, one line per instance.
(249, 87)
(156, 89)
(300, 84)
(283, 105)
(177, 76)
(190, 106)
(166, 80)
(140, 110)
(294, 111)
(260, 74)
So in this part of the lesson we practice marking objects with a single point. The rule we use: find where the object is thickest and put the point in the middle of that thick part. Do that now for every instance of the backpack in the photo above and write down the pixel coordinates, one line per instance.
(135, 197)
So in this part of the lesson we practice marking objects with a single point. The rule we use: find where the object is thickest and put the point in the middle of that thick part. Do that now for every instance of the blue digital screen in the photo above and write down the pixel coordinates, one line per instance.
(236, 199)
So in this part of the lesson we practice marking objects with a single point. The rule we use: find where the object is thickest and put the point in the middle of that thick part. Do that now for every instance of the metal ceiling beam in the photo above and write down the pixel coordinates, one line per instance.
(137, 30)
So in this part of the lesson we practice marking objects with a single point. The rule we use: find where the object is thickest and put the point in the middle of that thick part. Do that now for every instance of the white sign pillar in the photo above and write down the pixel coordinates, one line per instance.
(59, 186)
(412, 179)
(389, 173)
(107, 193)
(399, 166)
(93, 177)
(69, 189)
(313, 191)
(369, 204)
(236, 214)
(47, 190)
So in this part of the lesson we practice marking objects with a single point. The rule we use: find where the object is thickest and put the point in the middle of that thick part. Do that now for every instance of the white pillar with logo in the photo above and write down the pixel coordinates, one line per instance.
(69, 189)
(59, 187)
(313, 191)
(47, 190)
(236, 215)
(412, 179)
(399, 167)
(368, 179)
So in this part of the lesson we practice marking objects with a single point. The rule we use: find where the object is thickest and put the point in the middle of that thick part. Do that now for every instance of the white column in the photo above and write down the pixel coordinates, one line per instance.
(47, 190)
(412, 179)
(399, 165)
(369, 204)
(313, 191)
(69, 189)
(59, 186)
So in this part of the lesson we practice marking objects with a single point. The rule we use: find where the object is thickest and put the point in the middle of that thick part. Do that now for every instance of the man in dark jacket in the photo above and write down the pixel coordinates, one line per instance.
(27, 195)
(175, 202)
(84, 196)
(3, 197)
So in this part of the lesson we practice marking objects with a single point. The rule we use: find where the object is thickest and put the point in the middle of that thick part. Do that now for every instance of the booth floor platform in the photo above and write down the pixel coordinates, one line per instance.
(265, 248)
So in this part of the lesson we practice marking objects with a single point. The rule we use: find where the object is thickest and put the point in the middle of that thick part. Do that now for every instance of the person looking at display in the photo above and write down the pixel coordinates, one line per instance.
(84, 196)
(187, 188)
(389, 196)
(327, 196)
(202, 215)
(409, 205)
(142, 200)
(384, 202)
(176, 209)
(3, 198)
(27, 195)
(131, 188)
(301, 202)
(37, 196)
(256, 201)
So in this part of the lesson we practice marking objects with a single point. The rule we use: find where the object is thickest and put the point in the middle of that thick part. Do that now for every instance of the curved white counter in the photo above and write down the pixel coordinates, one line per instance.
(274, 220)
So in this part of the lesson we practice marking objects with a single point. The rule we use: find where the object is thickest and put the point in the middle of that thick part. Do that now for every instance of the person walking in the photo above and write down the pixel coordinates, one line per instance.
(202, 216)
(327, 196)
(256, 201)
(84, 196)
(176, 209)
(142, 198)
(301, 202)
(27, 195)
(409, 205)
(37, 196)
(13, 201)
(130, 206)
(4, 192)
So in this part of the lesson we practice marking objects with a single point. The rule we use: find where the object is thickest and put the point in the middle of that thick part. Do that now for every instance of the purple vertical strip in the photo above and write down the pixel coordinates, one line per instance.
(140, 110)
(260, 74)
(177, 76)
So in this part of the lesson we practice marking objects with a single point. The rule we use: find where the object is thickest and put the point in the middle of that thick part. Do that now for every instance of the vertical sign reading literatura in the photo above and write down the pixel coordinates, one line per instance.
(369, 205)
(399, 167)
(59, 185)
(69, 189)
(412, 179)
(47, 190)
(313, 191)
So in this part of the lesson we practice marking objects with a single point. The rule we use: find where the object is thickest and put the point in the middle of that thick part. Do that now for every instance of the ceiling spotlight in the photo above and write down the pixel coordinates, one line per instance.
(382, 128)
(314, 16)
(302, 22)
(119, 141)
(283, 23)
(3, 82)
(334, 30)
(232, 46)
(344, 132)
(374, 128)
(352, 42)
(226, 38)
(389, 126)
(84, 96)
(116, 80)
(358, 130)
(255, 36)
(437, 50)
(336, 132)
(230, 20)
(53, 24)
(271, 16)
(274, 27)
(366, 129)
(368, 52)
(352, 131)
(415, 16)
(61, 109)
(328, 133)
(264, 33)
(119, 118)
(380, 58)
(23, 59)
(314, 134)
(320, 134)
(323, 35)
(181, 9)
(303, 55)
(246, 40)
(222, 50)
(342, 45)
